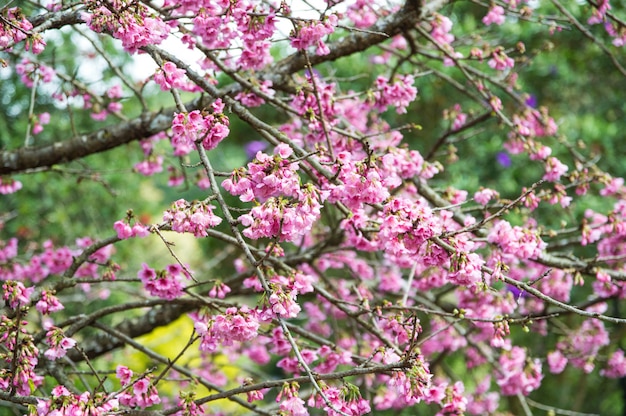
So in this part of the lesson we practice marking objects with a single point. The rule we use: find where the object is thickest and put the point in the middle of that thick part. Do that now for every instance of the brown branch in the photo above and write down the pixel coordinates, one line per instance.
(442, 139)
(162, 315)
(26, 158)
(382, 368)
(56, 20)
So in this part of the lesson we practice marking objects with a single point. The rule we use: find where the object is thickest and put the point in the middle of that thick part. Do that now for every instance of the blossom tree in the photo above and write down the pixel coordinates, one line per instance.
(358, 271)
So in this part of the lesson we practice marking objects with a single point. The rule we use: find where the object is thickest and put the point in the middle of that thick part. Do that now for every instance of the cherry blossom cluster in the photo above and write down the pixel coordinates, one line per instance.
(315, 108)
(311, 33)
(406, 225)
(441, 26)
(287, 210)
(59, 344)
(29, 71)
(615, 29)
(150, 166)
(346, 400)
(616, 366)
(405, 388)
(137, 393)
(290, 402)
(516, 240)
(221, 24)
(19, 355)
(16, 28)
(494, 16)
(398, 95)
(16, 295)
(265, 177)
(500, 61)
(194, 217)
(124, 229)
(234, 325)
(9, 185)
(580, 348)
(189, 406)
(167, 283)
(282, 218)
(129, 22)
(283, 291)
(518, 374)
(52, 261)
(48, 303)
(64, 402)
(362, 13)
(170, 76)
(199, 126)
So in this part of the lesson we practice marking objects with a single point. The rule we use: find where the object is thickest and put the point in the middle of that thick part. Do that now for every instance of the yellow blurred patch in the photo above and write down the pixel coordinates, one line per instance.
(169, 341)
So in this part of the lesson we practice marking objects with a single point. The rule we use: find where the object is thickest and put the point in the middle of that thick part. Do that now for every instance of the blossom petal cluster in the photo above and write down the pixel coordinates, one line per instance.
(234, 324)
(208, 128)
(167, 283)
(194, 217)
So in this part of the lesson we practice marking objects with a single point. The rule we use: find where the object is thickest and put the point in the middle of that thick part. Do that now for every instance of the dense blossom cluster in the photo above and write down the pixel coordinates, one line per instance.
(191, 217)
(166, 283)
(518, 374)
(129, 22)
(338, 268)
(44, 263)
(311, 34)
(234, 325)
(16, 28)
(398, 95)
(169, 76)
(287, 210)
(64, 402)
(137, 393)
(199, 126)
(20, 357)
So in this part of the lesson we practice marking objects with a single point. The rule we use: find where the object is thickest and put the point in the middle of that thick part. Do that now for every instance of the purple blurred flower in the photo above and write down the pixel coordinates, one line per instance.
(317, 74)
(253, 147)
(531, 101)
(503, 159)
(517, 293)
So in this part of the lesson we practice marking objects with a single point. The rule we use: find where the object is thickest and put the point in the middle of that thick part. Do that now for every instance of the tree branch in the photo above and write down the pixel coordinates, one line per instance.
(26, 158)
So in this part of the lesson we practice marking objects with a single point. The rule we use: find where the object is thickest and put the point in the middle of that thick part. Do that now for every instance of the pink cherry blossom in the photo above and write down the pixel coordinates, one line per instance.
(441, 27)
(484, 196)
(311, 34)
(48, 303)
(616, 366)
(191, 217)
(9, 185)
(399, 94)
(517, 374)
(500, 61)
(16, 295)
(554, 169)
(494, 16)
(166, 284)
(169, 76)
